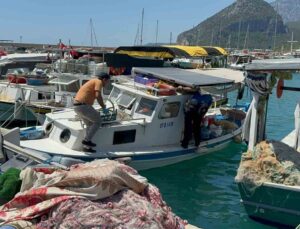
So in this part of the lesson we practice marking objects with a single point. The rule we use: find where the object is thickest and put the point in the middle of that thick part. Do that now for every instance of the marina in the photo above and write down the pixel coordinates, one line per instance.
(191, 123)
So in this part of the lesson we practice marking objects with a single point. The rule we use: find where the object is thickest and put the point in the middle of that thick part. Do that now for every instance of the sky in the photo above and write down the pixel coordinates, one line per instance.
(115, 22)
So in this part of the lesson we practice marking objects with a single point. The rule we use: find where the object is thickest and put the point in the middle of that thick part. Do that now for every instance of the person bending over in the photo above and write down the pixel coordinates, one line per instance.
(83, 106)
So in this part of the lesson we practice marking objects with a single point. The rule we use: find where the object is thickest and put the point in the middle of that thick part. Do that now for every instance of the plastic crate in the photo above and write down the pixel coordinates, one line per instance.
(142, 79)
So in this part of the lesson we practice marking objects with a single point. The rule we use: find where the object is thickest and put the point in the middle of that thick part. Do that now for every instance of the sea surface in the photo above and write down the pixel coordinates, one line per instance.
(203, 190)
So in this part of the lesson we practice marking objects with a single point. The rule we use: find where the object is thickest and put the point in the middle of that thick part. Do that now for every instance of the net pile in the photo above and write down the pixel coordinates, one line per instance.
(271, 161)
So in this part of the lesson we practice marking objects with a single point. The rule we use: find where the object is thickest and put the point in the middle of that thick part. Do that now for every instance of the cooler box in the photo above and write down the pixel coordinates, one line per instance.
(142, 79)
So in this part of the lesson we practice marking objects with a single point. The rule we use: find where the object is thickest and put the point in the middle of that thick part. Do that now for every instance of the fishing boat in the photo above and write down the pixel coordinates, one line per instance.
(24, 60)
(139, 116)
(268, 174)
(17, 93)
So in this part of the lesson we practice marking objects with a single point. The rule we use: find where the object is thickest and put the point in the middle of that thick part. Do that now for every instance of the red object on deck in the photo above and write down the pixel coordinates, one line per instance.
(16, 79)
(163, 89)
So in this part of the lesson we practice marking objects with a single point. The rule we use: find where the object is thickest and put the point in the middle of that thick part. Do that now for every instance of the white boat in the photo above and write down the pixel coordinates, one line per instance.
(270, 195)
(142, 127)
(24, 60)
(15, 97)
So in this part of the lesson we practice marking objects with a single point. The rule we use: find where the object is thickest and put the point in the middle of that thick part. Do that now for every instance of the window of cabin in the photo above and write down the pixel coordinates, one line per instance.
(169, 110)
(126, 100)
(73, 87)
(45, 95)
(146, 107)
(114, 95)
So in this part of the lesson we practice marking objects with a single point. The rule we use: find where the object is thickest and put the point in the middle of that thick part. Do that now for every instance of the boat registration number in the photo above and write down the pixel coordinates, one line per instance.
(166, 124)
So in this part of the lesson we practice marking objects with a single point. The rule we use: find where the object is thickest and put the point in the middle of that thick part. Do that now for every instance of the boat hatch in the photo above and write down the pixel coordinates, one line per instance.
(124, 137)
(146, 107)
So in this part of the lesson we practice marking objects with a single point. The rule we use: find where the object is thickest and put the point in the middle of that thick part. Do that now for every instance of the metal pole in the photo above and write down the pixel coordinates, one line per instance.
(142, 27)
(156, 32)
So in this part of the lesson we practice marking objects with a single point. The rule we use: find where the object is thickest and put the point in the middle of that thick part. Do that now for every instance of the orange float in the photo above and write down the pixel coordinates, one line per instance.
(162, 88)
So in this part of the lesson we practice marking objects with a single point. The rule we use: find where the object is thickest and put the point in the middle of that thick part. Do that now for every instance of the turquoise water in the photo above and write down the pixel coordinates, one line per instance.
(203, 191)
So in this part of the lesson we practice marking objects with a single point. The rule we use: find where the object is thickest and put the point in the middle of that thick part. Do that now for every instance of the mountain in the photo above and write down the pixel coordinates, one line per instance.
(288, 9)
(244, 24)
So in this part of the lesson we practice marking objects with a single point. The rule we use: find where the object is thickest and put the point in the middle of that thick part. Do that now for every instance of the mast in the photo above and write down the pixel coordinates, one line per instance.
(156, 34)
(142, 26)
(239, 34)
(137, 35)
(292, 42)
(246, 37)
(212, 38)
(91, 33)
(170, 38)
(275, 30)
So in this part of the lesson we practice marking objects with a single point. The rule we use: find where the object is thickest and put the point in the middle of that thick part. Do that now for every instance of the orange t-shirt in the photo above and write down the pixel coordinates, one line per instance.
(87, 92)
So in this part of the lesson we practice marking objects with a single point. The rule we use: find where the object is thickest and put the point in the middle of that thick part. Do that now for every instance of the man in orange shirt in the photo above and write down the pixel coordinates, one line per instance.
(83, 106)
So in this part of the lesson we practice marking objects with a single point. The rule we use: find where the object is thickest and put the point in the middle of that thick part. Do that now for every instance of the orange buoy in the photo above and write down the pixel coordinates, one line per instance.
(163, 89)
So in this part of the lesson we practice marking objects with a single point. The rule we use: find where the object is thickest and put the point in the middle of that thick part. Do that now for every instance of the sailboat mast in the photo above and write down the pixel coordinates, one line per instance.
(170, 38)
(91, 33)
(292, 42)
(142, 27)
(239, 34)
(212, 38)
(156, 35)
(137, 35)
(275, 30)
(246, 37)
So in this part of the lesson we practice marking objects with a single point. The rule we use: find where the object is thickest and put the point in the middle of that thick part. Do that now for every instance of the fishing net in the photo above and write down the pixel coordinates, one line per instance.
(271, 161)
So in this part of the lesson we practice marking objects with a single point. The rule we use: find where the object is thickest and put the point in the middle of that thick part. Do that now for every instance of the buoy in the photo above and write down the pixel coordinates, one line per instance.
(280, 86)
(162, 88)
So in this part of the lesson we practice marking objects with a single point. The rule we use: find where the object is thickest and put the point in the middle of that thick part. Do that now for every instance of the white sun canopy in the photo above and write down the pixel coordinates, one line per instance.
(183, 77)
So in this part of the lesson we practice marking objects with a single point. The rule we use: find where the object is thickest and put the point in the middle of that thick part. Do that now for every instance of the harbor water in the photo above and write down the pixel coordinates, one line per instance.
(203, 190)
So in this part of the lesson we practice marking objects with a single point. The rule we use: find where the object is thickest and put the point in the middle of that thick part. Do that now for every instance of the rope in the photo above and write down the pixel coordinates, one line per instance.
(258, 84)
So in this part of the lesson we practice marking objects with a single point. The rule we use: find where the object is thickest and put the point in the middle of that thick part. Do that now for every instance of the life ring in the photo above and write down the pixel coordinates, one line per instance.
(279, 90)
(116, 71)
(161, 89)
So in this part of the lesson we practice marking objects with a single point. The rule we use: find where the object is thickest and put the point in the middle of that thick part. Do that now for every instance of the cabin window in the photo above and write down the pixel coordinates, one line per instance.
(73, 87)
(169, 110)
(146, 107)
(42, 96)
(65, 135)
(114, 94)
(123, 137)
(126, 100)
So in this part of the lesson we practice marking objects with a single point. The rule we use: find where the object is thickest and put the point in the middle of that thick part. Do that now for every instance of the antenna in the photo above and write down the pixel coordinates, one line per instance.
(142, 27)
(156, 35)
(292, 42)
(275, 30)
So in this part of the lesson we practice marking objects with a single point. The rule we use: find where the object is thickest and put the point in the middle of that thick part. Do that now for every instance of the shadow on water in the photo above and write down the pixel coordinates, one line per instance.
(203, 190)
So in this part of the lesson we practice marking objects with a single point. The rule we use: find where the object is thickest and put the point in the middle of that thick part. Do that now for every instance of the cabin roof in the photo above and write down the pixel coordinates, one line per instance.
(273, 64)
(184, 77)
